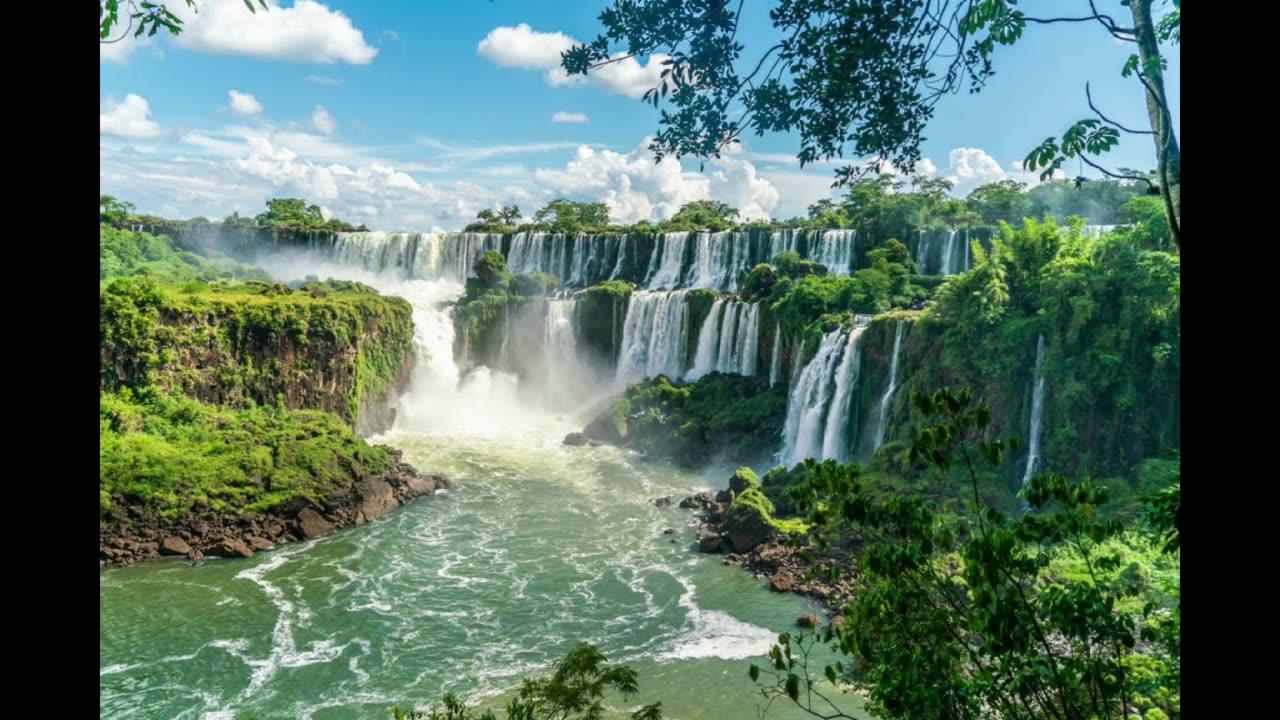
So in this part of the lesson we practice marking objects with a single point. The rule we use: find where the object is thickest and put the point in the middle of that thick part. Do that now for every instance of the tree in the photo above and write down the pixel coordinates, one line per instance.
(858, 77)
(569, 216)
(509, 215)
(146, 18)
(959, 616)
(113, 211)
(1003, 200)
(702, 215)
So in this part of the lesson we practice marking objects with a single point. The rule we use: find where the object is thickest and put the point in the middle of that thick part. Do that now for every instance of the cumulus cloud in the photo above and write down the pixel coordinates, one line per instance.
(323, 121)
(568, 117)
(128, 119)
(635, 188)
(971, 167)
(523, 47)
(244, 103)
(306, 32)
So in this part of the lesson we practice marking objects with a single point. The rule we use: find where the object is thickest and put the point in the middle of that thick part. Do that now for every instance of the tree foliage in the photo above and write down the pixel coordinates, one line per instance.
(296, 214)
(146, 18)
(702, 215)
(858, 78)
(963, 616)
(561, 215)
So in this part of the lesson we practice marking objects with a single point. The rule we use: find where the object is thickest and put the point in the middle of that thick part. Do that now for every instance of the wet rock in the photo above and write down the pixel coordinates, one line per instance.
(235, 547)
(725, 496)
(808, 620)
(174, 546)
(260, 543)
(575, 439)
(701, 501)
(663, 501)
(312, 524)
(378, 498)
(709, 544)
(669, 531)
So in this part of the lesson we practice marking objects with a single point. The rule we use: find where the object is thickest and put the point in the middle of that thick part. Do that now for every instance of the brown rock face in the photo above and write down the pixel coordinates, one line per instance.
(313, 524)
(746, 530)
(709, 544)
(174, 546)
(235, 547)
(378, 498)
(808, 620)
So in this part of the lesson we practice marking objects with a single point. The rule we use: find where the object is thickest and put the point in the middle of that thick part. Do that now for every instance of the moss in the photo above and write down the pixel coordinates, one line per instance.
(231, 344)
(173, 455)
(743, 479)
(750, 504)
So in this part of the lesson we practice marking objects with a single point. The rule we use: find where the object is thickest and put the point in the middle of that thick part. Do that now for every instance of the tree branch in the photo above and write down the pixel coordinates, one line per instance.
(1106, 119)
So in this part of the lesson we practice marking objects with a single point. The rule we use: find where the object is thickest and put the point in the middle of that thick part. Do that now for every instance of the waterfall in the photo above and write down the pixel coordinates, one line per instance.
(781, 241)
(834, 249)
(622, 256)
(704, 360)
(949, 253)
(968, 260)
(922, 253)
(834, 443)
(820, 408)
(729, 340)
(1037, 407)
(671, 269)
(882, 418)
(654, 339)
(775, 362)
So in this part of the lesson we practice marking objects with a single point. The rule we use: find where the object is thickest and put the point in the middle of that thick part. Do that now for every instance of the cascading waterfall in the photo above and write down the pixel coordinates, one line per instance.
(820, 409)
(775, 362)
(781, 241)
(949, 253)
(405, 256)
(670, 270)
(654, 337)
(882, 417)
(834, 249)
(922, 252)
(968, 260)
(1037, 408)
(729, 340)
(834, 437)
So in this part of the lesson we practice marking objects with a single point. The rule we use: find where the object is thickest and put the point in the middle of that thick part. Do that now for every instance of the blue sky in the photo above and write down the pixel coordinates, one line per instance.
(411, 116)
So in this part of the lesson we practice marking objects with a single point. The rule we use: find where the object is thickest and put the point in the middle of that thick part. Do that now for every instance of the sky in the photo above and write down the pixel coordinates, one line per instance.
(405, 115)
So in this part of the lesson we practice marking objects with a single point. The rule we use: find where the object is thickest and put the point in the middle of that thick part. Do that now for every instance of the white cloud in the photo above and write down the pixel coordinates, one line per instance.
(323, 80)
(634, 187)
(306, 32)
(128, 119)
(323, 121)
(484, 152)
(244, 103)
(971, 167)
(523, 47)
(568, 117)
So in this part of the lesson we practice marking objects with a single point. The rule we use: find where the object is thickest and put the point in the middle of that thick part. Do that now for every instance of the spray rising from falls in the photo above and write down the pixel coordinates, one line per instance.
(819, 411)
(1037, 408)
(886, 400)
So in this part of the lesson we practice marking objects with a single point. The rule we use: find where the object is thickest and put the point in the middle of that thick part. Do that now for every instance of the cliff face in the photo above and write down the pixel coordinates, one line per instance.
(348, 353)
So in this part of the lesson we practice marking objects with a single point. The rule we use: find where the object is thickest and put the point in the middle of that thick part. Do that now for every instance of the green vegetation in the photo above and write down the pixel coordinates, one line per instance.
(124, 252)
(490, 298)
(692, 422)
(296, 214)
(978, 614)
(173, 456)
(501, 221)
(228, 344)
(701, 215)
(567, 216)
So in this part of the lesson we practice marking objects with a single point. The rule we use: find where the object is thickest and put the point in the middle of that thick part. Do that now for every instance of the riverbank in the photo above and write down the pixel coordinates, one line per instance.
(130, 534)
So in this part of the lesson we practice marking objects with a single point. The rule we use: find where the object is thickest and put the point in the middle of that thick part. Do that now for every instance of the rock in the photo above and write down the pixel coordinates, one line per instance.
(725, 496)
(378, 498)
(610, 425)
(420, 484)
(313, 524)
(783, 581)
(575, 439)
(196, 557)
(669, 531)
(747, 522)
(235, 547)
(174, 546)
(808, 620)
(709, 544)
(260, 543)
(701, 501)
(663, 501)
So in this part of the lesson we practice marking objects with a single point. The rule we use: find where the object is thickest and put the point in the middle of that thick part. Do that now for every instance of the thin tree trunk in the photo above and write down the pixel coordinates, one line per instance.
(1170, 165)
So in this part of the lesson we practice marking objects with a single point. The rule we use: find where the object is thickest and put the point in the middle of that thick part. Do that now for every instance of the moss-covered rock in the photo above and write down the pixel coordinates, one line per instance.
(749, 520)
(343, 352)
(743, 479)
